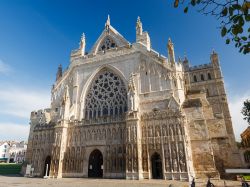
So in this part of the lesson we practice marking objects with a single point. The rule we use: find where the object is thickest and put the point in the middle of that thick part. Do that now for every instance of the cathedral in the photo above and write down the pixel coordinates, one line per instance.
(122, 110)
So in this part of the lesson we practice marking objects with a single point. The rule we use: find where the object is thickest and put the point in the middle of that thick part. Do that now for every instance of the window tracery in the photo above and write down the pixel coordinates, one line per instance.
(107, 96)
(107, 44)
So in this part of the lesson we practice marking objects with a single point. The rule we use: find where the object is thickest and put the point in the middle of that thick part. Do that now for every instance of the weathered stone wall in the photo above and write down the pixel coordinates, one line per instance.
(209, 79)
(198, 112)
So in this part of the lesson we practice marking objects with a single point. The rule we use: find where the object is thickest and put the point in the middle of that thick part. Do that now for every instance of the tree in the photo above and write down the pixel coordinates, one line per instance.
(246, 110)
(233, 17)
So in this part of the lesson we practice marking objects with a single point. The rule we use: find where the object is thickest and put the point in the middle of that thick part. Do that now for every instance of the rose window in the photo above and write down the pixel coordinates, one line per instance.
(107, 96)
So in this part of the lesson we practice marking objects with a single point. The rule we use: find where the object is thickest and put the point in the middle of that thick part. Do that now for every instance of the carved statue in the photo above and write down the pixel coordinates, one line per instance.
(131, 95)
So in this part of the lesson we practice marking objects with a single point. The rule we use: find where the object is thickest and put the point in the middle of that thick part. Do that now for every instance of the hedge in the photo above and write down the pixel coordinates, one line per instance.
(6, 168)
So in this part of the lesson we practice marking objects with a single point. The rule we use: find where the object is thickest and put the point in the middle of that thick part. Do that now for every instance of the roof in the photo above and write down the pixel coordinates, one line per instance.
(12, 142)
(246, 132)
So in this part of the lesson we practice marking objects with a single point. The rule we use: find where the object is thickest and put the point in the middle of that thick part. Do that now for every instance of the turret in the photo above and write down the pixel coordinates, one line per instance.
(82, 45)
(214, 59)
(59, 72)
(216, 64)
(142, 37)
(138, 27)
(185, 64)
(170, 48)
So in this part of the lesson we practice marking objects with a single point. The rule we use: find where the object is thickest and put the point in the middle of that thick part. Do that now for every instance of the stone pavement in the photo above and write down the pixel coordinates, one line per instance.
(16, 181)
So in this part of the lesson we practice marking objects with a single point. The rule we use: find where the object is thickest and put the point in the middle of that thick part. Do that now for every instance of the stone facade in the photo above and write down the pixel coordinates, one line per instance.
(245, 147)
(125, 111)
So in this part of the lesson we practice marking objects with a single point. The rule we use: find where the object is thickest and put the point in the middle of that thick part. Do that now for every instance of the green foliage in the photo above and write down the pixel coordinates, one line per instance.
(6, 168)
(246, 111)
(233, 15)
(246, 177)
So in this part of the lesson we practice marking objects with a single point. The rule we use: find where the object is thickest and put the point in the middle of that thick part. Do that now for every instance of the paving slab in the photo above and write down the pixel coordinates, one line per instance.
(17, 181)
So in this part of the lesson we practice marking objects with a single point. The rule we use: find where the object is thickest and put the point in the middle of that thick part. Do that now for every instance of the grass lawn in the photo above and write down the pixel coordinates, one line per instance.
(246, 177)
(7, 168)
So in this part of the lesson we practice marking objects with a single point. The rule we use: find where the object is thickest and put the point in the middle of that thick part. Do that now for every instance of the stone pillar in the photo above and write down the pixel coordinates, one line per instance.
(133, 147)
(62, 131)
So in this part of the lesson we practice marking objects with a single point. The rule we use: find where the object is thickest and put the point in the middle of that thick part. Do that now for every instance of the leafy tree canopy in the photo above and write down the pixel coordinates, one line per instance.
(246, 110)
(233, 16)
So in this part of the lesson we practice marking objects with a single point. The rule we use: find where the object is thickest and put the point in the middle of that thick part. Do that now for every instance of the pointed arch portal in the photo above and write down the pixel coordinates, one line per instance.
(95, 166)
(156, 165)
(47, 166)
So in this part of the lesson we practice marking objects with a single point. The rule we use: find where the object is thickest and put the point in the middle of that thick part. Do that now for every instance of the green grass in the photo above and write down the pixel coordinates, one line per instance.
(6, 168)
(246, 177)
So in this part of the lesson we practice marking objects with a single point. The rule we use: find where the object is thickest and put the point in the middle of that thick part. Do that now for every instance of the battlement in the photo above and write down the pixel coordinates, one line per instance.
(37, 113)
(40, 116)
(200, 67)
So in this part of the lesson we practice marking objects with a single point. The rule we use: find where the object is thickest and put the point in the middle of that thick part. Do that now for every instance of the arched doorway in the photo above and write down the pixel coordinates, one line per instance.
(47, 166)
(156, 166)
(95, 168)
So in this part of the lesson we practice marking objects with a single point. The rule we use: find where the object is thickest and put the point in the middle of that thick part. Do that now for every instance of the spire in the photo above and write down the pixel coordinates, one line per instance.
(179, 59)
(171, 55)
(139, 26)
(107, 24)
(82, 44)
(59, 72)
(142, 37)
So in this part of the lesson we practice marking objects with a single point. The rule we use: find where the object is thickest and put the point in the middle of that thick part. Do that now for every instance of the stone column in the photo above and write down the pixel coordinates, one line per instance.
(62, 146)
(134, 147)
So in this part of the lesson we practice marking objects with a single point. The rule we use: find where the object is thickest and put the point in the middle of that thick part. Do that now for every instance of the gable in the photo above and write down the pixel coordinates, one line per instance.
(110, 38)
(173, 104)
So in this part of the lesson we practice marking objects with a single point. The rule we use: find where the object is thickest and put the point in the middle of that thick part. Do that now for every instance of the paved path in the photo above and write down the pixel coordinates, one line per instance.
(16, 181)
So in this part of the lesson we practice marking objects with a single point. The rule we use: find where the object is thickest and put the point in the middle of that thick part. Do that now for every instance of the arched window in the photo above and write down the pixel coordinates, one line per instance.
(202, 77)
(209, 76)
(107, 96)
(195, 78)
(107, 44)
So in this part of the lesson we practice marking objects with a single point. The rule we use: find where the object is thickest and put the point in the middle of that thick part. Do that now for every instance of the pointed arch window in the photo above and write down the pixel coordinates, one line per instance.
(107, 96)
(209, 76)
(195, 78)
(202, 77)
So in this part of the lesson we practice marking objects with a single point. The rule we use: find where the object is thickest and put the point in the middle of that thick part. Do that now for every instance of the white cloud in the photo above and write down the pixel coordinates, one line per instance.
(12, 131)
(235, 105)
(19, 102)
(16, 104)
(4, 68)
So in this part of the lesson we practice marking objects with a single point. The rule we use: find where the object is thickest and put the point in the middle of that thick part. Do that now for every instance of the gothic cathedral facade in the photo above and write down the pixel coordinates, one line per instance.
(125, 111)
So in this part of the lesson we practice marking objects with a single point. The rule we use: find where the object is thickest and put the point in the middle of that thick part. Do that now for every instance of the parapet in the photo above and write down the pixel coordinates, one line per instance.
(40, 116)
(199, 67)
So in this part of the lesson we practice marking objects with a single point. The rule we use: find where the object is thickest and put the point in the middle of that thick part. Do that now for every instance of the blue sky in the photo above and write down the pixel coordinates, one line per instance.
(37, 36)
